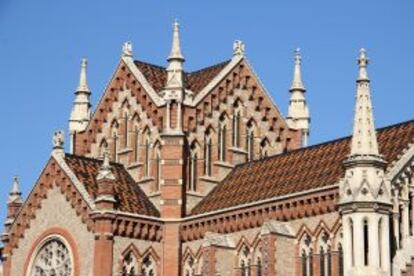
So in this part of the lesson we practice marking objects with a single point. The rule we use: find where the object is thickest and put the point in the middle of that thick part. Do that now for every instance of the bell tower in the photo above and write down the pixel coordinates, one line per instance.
(365, 194)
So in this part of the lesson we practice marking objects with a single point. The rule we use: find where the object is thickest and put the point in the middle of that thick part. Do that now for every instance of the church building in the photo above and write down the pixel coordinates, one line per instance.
(178, 173)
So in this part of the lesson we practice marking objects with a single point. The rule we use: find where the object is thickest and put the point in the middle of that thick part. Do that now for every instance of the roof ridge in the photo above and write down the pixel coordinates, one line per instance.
(321, 144)
(70, 155)
(208, 67)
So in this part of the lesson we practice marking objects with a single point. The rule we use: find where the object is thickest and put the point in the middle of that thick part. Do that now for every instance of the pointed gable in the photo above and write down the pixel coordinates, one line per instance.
(129, 196)
(195, 81)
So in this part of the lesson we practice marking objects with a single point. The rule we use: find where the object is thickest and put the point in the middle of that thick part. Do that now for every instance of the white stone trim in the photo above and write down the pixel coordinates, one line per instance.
(397, 166)
(143, 81)
(79, 186)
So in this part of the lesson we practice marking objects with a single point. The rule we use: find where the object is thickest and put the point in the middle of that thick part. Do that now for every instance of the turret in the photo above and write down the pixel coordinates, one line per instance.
(365, 194)
(81, 110)
(14, 203)
(174, 90)
(298, 113)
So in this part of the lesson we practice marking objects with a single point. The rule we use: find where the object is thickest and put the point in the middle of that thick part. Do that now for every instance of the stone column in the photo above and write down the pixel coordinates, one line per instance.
(405, 223)
(385, 244)
(347, 243)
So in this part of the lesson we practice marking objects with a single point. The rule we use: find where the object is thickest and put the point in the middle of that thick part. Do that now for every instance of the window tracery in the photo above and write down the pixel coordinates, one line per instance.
(245, 261)
(130, 266)
(306, 255)
(53, 258)
(148, 266)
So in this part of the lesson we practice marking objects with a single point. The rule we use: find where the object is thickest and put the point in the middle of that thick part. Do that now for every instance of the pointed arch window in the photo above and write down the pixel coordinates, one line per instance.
(250, 141)
(130, 265)
(222, 139)
(158, 169)
(189, 267)
(147, 144)
(245, 261)
(114, 133)
(306, 256)
(366, 242)
(207, 153)
(136, 144)
(125, 130)
(148, 266)
(236, 125)
(325, 255)
(192, 183)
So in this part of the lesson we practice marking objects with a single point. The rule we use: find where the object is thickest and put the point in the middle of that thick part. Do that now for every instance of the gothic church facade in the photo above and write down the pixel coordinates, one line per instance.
(198, 173)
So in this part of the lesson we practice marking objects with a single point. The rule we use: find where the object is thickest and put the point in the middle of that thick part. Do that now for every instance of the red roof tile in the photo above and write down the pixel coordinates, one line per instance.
(195, 81)
(298, 170)
(129, 195)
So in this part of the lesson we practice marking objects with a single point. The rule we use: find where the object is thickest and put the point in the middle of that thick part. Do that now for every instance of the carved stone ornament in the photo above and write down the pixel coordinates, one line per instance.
(58, 139)
(238, 48)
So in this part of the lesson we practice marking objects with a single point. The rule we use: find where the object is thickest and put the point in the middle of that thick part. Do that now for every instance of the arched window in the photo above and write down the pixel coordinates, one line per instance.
(380, 241)
(158, 168)
(148, 266)
(189, 267)
(250, 141)
(236, 125)
(130, 265)
(147, 144)
(325, 254)
(244, 261)
(259, 266)
(52, 257)
(351, 229)
(192, 183)
(222, 139)
(136, 144)
(306, 256)
(115, 137)
(207, 153)
(125, 130)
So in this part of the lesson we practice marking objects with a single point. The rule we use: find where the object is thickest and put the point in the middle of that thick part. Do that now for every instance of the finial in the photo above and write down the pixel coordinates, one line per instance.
(297, 83)
(175, 53)
(238, 48)
(15, 194)
(363, 63)
(105, 171)
(83, 84)
(127, 49)
(58, 143)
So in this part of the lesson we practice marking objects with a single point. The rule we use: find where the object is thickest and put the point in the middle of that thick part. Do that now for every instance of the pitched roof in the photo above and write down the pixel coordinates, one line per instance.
(195, 81)
(298, 170)
(129, 195)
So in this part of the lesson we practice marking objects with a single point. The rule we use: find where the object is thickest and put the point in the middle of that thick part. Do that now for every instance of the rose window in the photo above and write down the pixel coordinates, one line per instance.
(52, 259)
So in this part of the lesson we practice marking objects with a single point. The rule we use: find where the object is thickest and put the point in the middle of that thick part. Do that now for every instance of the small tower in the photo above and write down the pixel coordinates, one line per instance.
(365, 194)
(103, 216)
(174, 90)
(298, 113)
(14, 203)
(81, 110)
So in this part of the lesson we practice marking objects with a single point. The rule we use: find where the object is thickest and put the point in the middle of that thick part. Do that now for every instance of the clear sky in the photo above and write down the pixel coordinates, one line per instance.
(42, 42)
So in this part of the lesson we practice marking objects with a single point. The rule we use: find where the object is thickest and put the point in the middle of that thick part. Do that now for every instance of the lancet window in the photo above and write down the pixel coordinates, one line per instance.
(306, 256)
(130, 266)
(207, 153)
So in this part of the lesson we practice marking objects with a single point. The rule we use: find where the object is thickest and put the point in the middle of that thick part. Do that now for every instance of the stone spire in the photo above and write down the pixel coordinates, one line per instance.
(15, 196)
(175, 53)
(298, 112)
(174, 90)
(81, 110)
(364, 139)
(175, 61)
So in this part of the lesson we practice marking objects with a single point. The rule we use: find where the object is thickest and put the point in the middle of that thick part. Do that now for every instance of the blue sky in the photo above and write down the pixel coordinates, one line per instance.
(42, 42)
